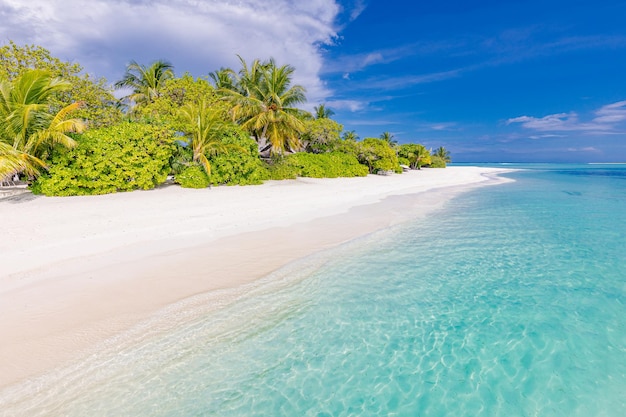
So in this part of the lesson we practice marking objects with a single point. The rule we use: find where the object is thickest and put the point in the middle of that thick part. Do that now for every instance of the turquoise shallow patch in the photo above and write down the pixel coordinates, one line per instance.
(509, 302)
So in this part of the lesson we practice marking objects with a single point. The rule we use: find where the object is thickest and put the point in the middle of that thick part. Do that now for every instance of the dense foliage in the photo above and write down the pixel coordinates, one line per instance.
(378, 155)
(414, 155)
(30, 125)
(326, 165)
(177, 93)
(437, 162)
(98, 103)
(240, 164)
(241, 127)
(193, 176)
(321, 135)
(127, 156)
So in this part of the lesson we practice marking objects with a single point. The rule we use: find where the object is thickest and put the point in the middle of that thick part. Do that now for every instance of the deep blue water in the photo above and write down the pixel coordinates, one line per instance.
(510, 301)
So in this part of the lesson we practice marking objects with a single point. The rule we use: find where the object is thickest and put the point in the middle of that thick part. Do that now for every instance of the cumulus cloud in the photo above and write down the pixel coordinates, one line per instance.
(607, 119)
(198, 36)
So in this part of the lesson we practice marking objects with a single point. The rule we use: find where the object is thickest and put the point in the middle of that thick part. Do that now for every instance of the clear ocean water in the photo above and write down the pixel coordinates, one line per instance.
(510, 301)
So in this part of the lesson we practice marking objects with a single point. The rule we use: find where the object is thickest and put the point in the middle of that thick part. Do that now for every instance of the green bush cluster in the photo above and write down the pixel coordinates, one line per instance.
(281, 170)
(404, 161)
(325, 165)
(437, 162)
(193, 176)
(241, 164)
(378, 155)
(123, 157)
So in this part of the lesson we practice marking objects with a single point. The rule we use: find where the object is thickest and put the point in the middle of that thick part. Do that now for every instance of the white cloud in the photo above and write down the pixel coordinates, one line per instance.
(393, 83)
(196, 36)
(360, 61)
(606, 121)
(585, 149)
(443, 126)
(545, 136)
(352, 105)
(373, 58)
(358, 8)
(371, 122)
(611, 113)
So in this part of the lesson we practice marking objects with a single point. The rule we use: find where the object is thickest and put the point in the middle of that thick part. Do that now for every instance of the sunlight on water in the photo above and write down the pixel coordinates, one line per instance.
(510, 302)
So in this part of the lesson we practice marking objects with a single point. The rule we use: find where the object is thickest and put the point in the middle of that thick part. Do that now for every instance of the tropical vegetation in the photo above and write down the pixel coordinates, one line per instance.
(30, 125)
(65, 133)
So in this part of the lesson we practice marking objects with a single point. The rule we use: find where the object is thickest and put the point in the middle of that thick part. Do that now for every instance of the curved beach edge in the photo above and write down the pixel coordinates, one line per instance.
(78, 271)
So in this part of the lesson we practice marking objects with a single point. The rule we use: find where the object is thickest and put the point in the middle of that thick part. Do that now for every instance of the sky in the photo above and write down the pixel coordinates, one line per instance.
(490, 80)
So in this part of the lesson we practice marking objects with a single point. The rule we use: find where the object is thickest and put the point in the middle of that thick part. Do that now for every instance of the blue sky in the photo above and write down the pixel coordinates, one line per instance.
(492, 81)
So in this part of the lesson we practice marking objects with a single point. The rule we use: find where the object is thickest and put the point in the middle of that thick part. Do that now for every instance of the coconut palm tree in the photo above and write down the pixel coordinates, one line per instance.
(443, 153)
(350, 136)
(389, 138)
(321, 112)
(262, 102)
(145, 82)
(223, 79)
(28, 126)
(204, 133)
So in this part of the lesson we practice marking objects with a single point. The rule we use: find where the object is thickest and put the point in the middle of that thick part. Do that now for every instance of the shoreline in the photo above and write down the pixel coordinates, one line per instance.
(90, 268)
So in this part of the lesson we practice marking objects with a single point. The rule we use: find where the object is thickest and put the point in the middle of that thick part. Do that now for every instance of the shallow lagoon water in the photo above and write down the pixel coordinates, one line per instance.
(510, 301)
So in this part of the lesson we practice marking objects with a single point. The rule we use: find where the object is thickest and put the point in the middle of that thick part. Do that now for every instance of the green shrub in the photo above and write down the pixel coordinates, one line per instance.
(280, 170)
(321, 135)
(437, 162)
(416, 154)
(378, 155)
(192, 176)
(126, 156)
(239, 166)
(325, 165)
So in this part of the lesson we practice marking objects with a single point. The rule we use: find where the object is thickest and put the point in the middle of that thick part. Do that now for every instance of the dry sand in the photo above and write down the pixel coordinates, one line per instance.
(75, 271)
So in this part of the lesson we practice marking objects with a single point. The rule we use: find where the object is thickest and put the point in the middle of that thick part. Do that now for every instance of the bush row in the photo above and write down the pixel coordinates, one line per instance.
(130, 156)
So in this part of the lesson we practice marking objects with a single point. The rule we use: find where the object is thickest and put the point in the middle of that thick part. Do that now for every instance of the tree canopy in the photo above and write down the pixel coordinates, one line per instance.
(263, 102)
(145, 82)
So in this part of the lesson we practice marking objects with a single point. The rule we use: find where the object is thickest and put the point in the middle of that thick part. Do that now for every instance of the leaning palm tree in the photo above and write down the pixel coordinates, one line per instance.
(263, 104)
(145, 82)
(28, 125)
(443, 153)
(204, 132)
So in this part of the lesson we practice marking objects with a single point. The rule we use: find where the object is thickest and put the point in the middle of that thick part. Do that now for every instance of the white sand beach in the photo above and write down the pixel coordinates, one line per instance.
(75, 271)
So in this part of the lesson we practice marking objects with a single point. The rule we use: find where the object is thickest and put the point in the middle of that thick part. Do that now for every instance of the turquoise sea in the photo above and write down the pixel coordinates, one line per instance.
(509, 301)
